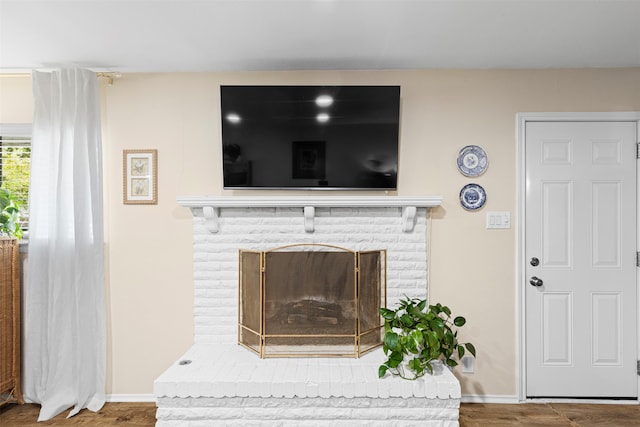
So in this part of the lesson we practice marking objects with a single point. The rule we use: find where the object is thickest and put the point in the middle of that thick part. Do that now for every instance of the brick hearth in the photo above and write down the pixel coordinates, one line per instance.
(225, 384)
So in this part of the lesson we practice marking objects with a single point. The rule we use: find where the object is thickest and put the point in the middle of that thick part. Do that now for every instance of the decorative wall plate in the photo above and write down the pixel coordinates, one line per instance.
(472, 197)
(472, 161)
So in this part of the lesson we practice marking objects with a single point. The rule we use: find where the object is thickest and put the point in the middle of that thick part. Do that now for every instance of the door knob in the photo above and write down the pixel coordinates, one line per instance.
(534, 281)
(534, 261)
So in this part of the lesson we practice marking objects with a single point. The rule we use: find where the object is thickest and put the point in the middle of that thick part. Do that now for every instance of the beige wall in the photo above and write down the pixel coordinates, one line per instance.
(16, 102)
(472, 269)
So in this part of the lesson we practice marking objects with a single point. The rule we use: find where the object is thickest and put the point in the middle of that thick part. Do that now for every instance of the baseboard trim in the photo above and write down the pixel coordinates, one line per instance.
(487, 398)
(466, 398)
(588, 401)
(130, 398)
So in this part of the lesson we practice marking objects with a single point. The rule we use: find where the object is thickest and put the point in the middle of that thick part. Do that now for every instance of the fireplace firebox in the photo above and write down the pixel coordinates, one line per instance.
(311, 300)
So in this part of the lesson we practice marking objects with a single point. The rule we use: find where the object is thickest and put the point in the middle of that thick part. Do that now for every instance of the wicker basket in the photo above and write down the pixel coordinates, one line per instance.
(9, 321)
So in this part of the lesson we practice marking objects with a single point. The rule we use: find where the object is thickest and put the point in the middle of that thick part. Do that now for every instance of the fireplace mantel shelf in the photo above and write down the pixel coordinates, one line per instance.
(211, 205)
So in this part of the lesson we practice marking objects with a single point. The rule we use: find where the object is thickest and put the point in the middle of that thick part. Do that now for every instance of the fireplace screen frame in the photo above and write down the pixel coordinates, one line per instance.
(267, 335)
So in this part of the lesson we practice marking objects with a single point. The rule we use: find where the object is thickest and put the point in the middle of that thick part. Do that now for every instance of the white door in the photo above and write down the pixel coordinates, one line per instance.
(580, 249)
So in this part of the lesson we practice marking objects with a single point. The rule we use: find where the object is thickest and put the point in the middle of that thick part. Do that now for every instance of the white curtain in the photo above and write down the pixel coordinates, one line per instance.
(64, 349)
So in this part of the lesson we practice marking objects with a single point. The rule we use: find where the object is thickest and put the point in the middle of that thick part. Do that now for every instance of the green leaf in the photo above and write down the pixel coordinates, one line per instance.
(437, 324)
(410, 346)
(449, 339)
(391, 340)
(406, 319)
(382, 371)
(447, 352)
(471, 348)
(11, 210)
(446, 310)
(422, 304)
(429, 368)
(395, 359)
(460, 352)
(386, 313)
(417, 337)
(451, 362)
(10, 213)
(435, 352)
(432, 339)
(459, 321)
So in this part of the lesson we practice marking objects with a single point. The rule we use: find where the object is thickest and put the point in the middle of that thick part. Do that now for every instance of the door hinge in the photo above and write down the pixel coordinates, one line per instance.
(637, 150)
(637, 259)
(638, 367)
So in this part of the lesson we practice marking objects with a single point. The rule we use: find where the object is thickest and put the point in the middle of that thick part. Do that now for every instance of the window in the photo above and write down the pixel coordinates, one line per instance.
(15, 163)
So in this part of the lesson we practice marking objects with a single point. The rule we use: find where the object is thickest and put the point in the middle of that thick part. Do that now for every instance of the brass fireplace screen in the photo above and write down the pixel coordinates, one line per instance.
(311, 301)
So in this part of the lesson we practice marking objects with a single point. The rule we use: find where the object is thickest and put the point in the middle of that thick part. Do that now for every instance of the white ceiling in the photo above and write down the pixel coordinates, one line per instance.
(230, 35)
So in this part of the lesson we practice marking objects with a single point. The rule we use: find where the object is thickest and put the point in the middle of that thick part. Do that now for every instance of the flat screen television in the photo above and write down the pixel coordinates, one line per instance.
(310, 137)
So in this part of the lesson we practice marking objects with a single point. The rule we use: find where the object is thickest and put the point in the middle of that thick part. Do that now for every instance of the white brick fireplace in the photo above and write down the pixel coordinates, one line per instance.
(218, 382)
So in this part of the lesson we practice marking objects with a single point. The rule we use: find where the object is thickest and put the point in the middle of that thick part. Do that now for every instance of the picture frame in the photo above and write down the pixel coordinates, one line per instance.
(140, 177)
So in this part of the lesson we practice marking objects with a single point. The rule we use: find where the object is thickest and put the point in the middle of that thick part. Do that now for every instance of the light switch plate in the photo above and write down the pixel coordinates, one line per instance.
(499, 219)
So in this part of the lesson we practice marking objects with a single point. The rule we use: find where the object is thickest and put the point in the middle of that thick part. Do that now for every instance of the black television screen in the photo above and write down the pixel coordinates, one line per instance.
(310, 137)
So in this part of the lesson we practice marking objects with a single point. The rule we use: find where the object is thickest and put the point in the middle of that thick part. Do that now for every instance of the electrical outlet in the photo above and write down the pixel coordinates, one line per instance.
(468, 364)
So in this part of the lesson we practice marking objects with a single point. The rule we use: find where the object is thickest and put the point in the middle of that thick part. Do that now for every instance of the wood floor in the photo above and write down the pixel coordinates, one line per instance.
(549, 415)
(471, 415)
(112, 414)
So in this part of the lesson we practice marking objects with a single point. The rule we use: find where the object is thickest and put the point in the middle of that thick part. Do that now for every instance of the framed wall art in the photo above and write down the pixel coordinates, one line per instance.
(140, 186)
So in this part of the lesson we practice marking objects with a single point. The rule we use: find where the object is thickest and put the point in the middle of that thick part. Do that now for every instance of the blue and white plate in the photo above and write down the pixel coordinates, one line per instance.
(472, 161)
(472, 197)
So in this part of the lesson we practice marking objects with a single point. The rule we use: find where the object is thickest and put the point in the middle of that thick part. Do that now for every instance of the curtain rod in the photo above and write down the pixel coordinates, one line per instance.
(109, 75)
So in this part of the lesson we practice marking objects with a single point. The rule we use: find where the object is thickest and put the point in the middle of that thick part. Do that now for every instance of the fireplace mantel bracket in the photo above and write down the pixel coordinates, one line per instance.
(309, 219)
(211, 215)
(211, 206)
(408, 218)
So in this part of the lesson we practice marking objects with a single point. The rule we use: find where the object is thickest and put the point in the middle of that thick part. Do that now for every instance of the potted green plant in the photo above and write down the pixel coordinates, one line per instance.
(417, 335)
(9, 214)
